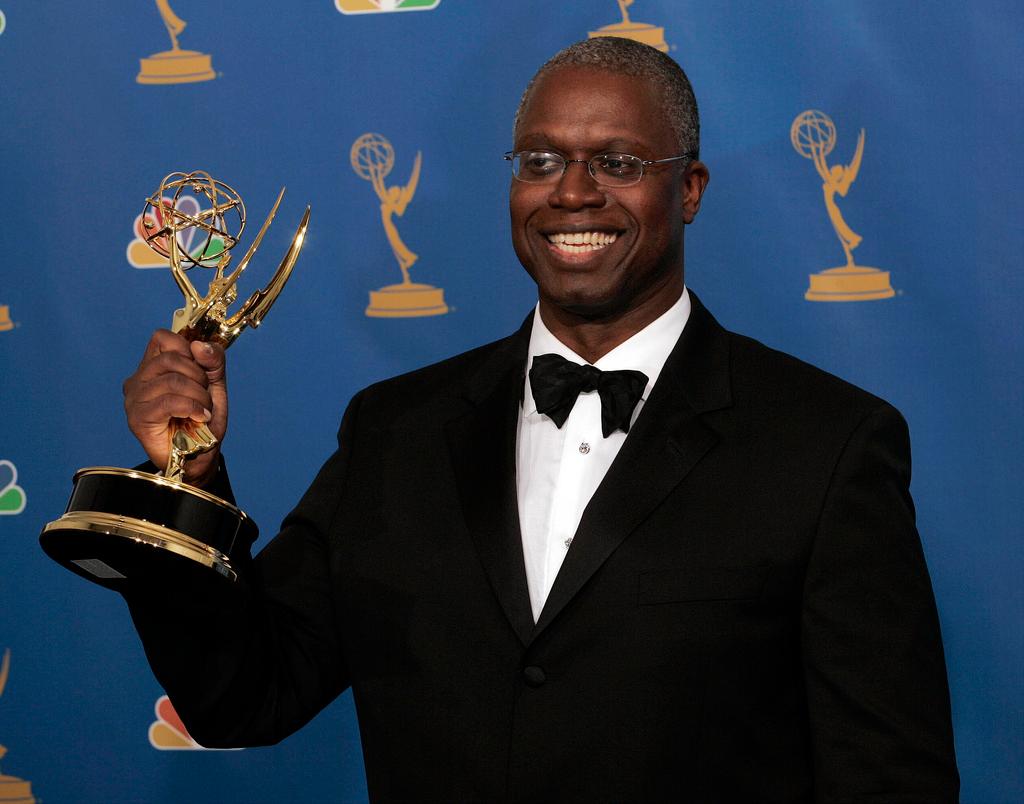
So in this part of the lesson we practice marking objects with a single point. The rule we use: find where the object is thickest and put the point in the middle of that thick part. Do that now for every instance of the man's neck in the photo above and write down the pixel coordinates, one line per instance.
(593, 338)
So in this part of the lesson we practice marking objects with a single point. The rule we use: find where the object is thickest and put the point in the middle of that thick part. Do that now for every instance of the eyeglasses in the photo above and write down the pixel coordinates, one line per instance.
(609, 170)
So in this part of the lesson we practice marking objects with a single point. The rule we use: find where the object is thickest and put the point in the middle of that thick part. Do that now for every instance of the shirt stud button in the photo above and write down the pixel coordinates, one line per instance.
(584, 448)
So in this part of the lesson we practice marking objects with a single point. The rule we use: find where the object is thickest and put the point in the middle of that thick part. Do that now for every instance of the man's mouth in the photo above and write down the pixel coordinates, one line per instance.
(581, 242)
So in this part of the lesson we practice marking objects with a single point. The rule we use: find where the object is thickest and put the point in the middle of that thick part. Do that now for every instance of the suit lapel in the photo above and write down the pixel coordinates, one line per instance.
(482, 443)
(667, 441)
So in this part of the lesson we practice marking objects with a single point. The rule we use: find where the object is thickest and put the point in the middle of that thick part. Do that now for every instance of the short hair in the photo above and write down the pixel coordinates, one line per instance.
(616, 54)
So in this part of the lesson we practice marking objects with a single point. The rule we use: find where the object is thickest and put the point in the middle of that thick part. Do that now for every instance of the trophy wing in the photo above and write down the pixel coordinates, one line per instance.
(850, 174)
(260, 302)
(231, 279)
(410, 189)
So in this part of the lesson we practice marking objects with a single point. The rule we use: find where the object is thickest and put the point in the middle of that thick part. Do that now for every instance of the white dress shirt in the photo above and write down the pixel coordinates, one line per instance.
(558, 470)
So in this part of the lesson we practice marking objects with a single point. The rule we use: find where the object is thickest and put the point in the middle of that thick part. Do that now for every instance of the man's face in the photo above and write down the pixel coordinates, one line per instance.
(636, 267)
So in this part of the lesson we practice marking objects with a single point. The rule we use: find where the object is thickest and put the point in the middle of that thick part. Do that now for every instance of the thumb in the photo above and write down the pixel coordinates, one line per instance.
(210, 356)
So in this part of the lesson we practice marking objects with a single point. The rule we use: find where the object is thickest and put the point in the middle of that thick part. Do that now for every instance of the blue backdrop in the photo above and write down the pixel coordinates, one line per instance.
(289, 87)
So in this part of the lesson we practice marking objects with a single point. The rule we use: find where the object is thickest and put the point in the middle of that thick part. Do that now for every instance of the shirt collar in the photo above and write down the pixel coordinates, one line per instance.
(645, 351)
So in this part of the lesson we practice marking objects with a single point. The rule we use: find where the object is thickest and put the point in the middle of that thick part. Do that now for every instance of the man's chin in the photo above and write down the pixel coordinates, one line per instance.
(589, 306)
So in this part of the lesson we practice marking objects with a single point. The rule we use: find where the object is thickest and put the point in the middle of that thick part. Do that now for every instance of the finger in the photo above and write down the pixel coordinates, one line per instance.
(172, 363)
(163, 340)
(162, 409)
(170, 385)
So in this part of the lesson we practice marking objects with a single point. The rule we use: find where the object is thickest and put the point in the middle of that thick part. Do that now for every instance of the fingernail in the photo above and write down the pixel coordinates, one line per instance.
(207, 415)
(208, 348)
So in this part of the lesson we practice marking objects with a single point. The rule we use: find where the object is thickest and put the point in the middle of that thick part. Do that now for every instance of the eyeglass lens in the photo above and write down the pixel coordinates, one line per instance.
(543, 167)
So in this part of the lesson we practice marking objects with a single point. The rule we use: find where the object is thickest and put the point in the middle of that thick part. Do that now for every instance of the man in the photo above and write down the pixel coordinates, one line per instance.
(715, 594)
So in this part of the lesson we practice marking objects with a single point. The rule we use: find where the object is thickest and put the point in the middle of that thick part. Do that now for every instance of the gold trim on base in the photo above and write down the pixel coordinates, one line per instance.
(143, 532)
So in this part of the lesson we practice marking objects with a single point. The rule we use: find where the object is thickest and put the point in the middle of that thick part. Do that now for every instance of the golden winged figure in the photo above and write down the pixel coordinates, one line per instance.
(837, 179)
(393, 201)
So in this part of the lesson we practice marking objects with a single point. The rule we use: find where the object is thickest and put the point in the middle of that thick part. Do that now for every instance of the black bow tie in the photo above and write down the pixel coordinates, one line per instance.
(556, 382)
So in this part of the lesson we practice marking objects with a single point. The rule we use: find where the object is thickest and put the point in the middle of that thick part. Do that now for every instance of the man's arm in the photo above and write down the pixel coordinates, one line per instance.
(244, 663)
(251, 662)
(877, 693)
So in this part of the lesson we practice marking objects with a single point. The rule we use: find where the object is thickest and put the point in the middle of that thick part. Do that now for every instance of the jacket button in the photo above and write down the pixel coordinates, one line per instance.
(534, 676)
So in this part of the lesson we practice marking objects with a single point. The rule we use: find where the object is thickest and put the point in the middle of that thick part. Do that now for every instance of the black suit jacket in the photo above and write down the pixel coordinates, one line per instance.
(743, 615)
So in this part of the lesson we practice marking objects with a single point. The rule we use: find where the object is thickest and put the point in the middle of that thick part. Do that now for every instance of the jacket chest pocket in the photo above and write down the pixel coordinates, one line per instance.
(696, 584)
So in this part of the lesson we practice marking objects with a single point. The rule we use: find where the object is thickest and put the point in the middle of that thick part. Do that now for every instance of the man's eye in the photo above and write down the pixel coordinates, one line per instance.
(618, 165)
(541, 164)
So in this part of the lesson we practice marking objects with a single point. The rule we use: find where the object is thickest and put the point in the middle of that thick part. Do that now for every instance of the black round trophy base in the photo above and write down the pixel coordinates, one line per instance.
(125, 528)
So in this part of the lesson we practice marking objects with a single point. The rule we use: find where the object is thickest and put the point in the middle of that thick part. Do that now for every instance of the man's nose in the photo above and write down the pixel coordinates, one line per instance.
(576, 188)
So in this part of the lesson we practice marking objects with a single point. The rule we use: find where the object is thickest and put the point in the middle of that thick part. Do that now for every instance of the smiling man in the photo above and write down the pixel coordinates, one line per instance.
(605, 183)
(644, 559)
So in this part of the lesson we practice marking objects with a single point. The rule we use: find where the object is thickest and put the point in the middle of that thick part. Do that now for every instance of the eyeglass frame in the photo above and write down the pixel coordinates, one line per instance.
(510, 156)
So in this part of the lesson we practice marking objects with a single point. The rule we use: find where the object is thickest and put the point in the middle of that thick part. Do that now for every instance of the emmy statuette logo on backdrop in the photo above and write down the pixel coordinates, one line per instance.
(813, 135)
(637, 31)
(372, 159)
(12, 789)
(127, 527)
(3, 22)
(6, 324)
(379, 6)
(174, 66)
(12, 496)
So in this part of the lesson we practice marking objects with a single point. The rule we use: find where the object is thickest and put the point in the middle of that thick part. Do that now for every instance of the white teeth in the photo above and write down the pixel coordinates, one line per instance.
(578, 242)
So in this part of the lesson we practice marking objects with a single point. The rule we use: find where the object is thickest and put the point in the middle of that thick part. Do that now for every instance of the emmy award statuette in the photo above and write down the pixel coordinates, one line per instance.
(174, 66)
(813, 135)
(372, 159)
(641, 32)
(12, 789)
(124, 526)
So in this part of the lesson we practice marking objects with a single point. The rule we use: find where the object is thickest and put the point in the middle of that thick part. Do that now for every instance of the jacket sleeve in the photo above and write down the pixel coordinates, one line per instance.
(251, 662)
(877, 693)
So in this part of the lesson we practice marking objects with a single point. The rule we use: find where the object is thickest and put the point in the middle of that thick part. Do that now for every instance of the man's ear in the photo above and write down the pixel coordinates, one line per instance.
(695, 180)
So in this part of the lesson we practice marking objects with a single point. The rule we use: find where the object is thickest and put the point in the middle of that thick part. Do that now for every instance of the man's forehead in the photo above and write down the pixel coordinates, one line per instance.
(609, 109)
(592, 138)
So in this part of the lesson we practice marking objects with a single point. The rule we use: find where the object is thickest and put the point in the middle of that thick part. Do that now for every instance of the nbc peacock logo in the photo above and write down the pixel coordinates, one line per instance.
(167, 732)
(12, 496)
(140, 252)
(381, 6)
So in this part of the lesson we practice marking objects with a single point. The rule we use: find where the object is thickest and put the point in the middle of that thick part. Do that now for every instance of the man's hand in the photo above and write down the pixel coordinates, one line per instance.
(178, 380)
